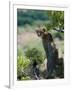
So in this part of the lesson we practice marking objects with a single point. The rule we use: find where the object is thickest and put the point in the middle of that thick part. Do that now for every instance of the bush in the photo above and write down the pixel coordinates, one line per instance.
(59, 35)
(34, 55)
(22, 66)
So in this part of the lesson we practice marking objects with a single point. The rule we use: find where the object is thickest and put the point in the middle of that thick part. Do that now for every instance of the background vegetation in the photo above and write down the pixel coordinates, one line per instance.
(30, 46)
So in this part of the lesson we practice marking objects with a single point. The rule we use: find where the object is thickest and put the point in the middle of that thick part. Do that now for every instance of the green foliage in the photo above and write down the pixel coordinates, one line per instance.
(23, 62)
(25, 78)
(57, 19)
(34, 55)
(49, 26)
(52, 19)
(19, 52)
(29, 16)
(22, 66)
(59, 35)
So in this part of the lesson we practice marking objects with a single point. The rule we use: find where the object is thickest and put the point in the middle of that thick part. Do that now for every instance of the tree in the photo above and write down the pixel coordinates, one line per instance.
(56, 20)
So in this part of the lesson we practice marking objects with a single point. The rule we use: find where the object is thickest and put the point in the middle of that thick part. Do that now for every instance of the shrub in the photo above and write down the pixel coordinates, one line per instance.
(22, 66)
(59, 35)
(34, 55)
